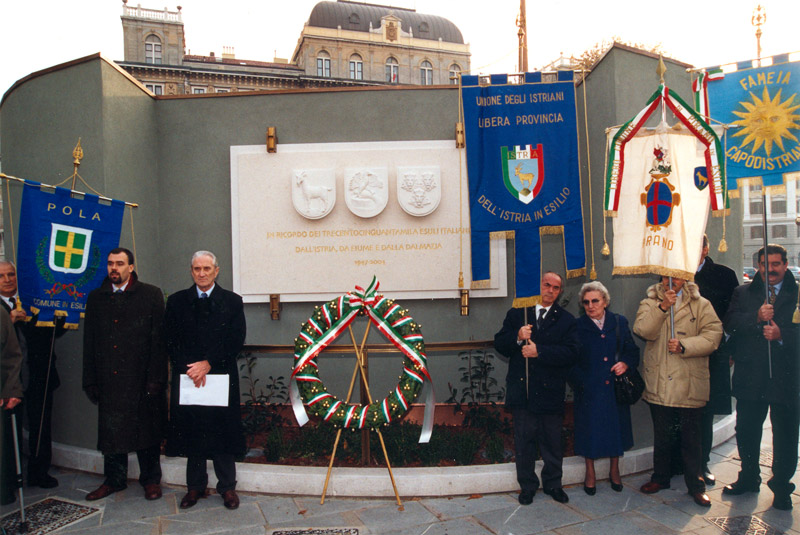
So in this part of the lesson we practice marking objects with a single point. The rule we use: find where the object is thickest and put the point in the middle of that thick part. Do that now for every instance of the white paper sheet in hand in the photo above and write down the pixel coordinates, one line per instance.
(213, 394)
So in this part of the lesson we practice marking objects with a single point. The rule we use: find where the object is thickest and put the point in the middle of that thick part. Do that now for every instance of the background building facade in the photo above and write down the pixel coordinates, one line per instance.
(342, 44)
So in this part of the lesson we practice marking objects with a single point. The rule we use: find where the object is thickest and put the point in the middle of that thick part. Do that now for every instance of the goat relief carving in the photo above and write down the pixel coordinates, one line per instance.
(366, 190)
(313, 192)
(419, 189)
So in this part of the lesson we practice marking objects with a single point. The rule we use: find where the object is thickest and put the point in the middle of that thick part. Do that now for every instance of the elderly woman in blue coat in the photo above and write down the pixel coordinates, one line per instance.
(602, 426)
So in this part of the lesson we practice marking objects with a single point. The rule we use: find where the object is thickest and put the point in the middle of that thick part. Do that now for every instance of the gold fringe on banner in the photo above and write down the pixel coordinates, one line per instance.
(481, 285)
(721, 213)
(655, 270)
(501, 235)
(610, 213)
(551, 229)
(572, 273)
(523, 302)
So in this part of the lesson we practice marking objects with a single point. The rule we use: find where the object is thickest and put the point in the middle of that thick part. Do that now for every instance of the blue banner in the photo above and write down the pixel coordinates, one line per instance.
(763, 107)
(62, 251)
(522, 162)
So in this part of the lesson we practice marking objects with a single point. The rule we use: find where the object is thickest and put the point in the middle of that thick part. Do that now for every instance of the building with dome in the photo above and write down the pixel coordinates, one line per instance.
(380, 44)
(342, 44)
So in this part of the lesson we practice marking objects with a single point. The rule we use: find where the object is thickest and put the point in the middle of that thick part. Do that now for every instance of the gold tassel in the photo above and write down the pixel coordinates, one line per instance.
(796, 316)
(606, 250)
(593, 274)
(723, 246)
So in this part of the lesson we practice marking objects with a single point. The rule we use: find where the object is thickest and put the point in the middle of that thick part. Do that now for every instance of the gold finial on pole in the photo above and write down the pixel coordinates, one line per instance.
(758, 20)
(661, 69)
(523, 38)
(77, 155)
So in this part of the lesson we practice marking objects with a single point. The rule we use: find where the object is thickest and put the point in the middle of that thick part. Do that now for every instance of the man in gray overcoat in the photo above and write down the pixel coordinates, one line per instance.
(125, 374)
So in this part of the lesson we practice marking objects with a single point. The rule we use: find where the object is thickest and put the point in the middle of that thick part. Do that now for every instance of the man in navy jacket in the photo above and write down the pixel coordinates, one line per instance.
(548, 345)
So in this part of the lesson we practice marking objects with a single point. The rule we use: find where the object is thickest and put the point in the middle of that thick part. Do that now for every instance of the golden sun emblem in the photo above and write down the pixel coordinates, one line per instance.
(767, 121)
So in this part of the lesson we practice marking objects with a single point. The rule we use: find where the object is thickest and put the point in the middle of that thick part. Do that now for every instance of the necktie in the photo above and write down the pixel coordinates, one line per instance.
(203, 295)
(540, 319)
(13, 302)
(772, 295)
(118, 291)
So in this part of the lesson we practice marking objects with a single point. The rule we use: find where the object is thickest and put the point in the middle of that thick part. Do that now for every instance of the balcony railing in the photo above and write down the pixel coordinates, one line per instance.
(140, 12)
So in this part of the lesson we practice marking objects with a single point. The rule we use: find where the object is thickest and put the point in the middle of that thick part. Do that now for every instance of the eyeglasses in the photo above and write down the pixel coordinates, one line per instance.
(587, 301)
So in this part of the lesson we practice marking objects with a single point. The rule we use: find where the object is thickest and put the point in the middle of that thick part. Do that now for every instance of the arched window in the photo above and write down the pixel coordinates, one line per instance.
(356, 67)
(455, 69)
(324, 64)
(152, 50)
(426, 73)
(423, 27)
(392, 70)
(354, 20)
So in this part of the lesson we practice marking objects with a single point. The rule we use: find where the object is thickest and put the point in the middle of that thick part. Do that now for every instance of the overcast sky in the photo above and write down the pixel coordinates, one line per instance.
(37, 34)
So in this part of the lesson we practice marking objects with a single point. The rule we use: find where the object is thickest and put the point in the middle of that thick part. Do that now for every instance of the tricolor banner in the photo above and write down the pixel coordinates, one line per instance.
(522, 162)
(660, 185)
(63, 245)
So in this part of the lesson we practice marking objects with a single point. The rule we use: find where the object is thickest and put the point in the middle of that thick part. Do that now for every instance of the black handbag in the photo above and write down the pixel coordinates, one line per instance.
(629, 386)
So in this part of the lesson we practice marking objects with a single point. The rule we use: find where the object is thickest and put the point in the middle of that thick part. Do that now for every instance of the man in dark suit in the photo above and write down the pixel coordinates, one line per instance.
(548, 347)
(716, 283)
(10, 397)
(205, 330)
(758, 324)
(124, 374)
(42, 378)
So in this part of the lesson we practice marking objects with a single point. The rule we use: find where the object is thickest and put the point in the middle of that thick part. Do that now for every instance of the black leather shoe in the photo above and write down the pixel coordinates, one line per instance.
(43, 482)
(526, 497)
(708, 477)
(591, 491)
(616, 487)
(191, 498)
(701, 499)
(782, 502)
(557, 494)
(740, 487)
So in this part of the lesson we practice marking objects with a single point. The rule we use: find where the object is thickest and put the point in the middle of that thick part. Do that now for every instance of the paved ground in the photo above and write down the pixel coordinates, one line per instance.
(629, 512)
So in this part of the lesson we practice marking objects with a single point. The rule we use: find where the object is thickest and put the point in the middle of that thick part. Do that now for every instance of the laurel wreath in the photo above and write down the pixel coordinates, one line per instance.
(331, 319)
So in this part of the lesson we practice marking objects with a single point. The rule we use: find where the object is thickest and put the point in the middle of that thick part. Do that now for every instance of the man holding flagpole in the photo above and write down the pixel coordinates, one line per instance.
(675, 371)
(540, 355)
(758, 325)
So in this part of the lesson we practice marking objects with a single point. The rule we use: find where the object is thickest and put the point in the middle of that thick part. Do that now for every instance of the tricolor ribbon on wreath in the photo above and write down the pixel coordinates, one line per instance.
(332, 319)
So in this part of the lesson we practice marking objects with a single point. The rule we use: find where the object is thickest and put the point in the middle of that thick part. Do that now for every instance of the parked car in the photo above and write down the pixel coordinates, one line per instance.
(747, 274)
(795, 271)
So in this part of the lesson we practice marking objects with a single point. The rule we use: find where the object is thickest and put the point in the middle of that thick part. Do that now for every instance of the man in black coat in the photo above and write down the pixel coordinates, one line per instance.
(716, 283)
(754, 323)
(36, 343)
(205, 330)
(124, 374)
(548, 345)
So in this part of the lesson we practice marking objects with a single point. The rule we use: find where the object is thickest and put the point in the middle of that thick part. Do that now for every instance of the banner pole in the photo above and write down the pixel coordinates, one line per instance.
(766, 263)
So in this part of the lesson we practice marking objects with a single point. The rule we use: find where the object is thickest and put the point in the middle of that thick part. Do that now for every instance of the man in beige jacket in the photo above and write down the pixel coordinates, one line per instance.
(675, 370)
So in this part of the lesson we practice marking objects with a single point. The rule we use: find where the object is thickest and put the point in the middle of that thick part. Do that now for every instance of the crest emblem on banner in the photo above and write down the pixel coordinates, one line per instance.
(418, 189)
(659, 197)
(523, 171)
(313, 192)
(69, 248)
(701, 177)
